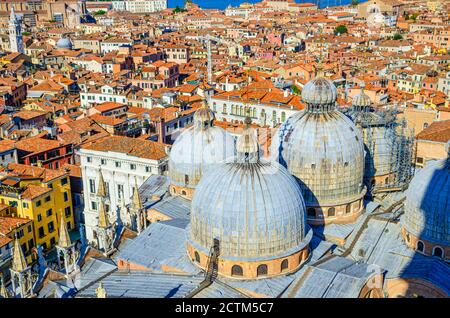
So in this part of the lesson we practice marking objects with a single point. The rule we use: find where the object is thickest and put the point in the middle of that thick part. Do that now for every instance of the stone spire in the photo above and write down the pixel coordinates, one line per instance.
(12, 16)
(3, 291)
(136, 202)
(19, 262)
(64, 238)
(101, 192)
(103, 220)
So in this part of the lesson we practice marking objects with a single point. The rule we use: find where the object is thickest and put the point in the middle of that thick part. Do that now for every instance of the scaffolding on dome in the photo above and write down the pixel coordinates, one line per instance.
(389, 146)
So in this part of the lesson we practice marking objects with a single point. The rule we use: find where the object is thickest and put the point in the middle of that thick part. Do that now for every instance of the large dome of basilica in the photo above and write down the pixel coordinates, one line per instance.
(426, 220)
(255, 209)
(324, 150)
(198, 148)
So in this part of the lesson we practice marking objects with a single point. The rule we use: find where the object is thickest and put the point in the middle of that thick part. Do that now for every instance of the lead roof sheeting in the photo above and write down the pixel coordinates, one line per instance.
(154, 185)
(143, 284)
(219, 290)
(174, 207)
(161, 243)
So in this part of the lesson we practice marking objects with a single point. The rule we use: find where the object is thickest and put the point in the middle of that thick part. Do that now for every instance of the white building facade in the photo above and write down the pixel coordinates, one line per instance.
(232, 110)
(121, 172)
(140, 6)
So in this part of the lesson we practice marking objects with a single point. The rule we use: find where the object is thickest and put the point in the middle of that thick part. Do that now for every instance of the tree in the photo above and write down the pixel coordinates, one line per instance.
(295, 90)
(355, 3)
(178, 10)
(398, 36)
(340, 29)
(99, 12)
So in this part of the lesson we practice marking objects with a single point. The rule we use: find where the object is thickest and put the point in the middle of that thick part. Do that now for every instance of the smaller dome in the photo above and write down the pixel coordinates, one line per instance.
(64, 43)
(319, 91)
(361, 100)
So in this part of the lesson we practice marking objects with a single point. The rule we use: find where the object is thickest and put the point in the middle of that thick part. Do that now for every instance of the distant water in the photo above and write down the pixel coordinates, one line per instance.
(222, 4)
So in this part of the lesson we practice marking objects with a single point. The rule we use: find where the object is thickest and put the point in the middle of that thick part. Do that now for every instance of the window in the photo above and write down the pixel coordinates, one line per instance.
(49, 212)
(120, 191)
(311, 212)
(66, 196)
(103, 161)
(25, 205)
(261, 270)
(89, 159)
(30, 244)
(438, 251)
(51, 227)
(331, 212)
(41, 232)
(236, 270)
(117, 164)
(93, 205)
(186, 179)
(284, 265)
(197, 257)
(92, 185)
(52, 241)
(67, 211)
(132, 166)
(39, 218)
(148, 169)
(420, 246)
(38, 203)
(69, 226)
(24, 247)
(63, 181)
(348, 208)
(47, 199)
(30, 228)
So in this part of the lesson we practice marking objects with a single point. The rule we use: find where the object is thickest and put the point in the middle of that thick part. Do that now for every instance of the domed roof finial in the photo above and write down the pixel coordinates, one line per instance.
(361, 101)
(204, 116)
(247, 146)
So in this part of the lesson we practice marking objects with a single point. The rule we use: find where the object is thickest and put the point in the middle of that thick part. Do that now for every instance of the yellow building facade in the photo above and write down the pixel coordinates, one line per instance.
(10, 227)
(40, 195)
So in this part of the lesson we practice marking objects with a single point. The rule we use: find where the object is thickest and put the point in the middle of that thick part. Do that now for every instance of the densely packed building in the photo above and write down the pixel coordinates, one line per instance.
(271, 149)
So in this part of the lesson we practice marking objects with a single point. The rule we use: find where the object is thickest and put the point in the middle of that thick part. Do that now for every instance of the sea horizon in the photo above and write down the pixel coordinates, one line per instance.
(223, 4)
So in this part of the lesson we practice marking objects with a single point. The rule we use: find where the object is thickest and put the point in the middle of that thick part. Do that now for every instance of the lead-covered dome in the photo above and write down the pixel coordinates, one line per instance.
(253, 207)
(324, 150)
(427, 204)
(319, 91)
(197, 149)
(64, 43)
(361, 100)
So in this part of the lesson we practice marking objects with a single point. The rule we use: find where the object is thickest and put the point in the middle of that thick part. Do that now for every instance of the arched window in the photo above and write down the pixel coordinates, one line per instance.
(236, 270)
(283, 116)
(284, 265)
(311, 212)
(197, 257)
(386, 181)
(348, 208)
(261, 270)
(420, 246)
(438, 251)
(331, 212)
(183, 192)
(254, 112)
